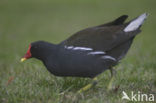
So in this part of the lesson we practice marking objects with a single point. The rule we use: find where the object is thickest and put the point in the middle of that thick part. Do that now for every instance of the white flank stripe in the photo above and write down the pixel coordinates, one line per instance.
(108, 57)
(82, 48)
(77, 48)
(136, 23)
(97, 52)
(69, 47)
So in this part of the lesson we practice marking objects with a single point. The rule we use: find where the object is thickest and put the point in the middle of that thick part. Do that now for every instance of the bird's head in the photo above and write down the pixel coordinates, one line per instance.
(38, 49)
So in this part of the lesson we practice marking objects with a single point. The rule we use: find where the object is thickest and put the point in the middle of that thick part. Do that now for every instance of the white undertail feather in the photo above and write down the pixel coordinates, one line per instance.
(135, 24)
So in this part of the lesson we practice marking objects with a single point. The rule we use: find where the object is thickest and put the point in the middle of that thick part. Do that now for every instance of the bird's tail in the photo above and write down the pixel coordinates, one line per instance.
(136, 23)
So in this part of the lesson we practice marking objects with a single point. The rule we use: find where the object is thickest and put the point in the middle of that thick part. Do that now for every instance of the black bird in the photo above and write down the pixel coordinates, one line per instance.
(88, 52)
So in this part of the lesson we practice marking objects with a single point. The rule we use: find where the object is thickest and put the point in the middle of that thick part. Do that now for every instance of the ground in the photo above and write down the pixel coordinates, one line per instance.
(22, 22)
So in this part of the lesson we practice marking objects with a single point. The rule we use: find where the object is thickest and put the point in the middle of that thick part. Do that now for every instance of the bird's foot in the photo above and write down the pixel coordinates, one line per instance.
(87, 87)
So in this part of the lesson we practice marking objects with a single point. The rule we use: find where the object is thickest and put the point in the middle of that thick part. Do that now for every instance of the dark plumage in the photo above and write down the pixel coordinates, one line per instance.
(90, 51)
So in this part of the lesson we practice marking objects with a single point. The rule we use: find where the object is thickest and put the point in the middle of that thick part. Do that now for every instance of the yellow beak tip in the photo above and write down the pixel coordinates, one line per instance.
(23, 59)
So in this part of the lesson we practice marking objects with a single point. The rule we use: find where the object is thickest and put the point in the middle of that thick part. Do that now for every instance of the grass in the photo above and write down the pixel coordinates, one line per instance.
(22, 22)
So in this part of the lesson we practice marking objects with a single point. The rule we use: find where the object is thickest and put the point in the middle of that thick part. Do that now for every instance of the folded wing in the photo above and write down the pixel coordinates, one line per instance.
(107, 36)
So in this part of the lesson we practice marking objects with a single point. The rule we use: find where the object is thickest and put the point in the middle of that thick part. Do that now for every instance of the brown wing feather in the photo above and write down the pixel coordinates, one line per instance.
(100, 38)
(103, 37)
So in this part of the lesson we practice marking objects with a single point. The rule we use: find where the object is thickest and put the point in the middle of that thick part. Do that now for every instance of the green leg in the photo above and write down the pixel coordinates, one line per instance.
(88, 86)
(110, 85)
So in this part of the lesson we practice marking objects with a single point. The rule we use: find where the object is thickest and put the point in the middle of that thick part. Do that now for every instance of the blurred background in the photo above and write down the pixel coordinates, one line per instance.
(25, 21)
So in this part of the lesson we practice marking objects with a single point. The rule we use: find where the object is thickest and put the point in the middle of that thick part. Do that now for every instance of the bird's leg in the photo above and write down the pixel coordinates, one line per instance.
(94, 82)
(113, 73)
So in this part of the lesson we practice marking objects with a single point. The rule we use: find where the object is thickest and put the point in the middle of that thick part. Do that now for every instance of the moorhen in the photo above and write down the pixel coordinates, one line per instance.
(88, 52)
